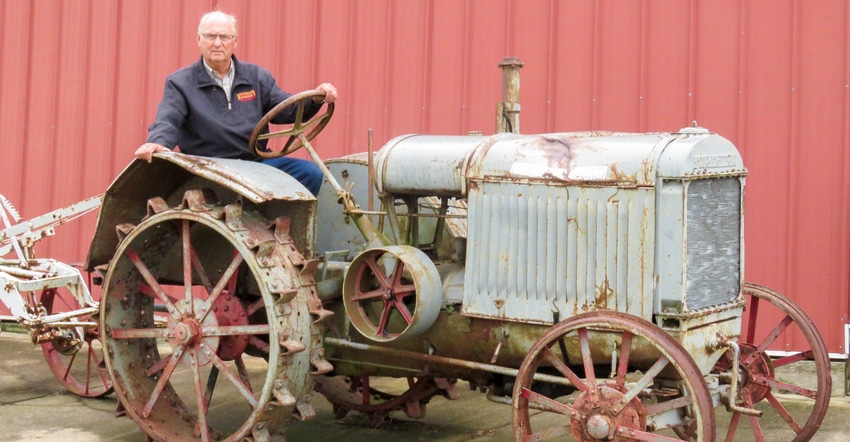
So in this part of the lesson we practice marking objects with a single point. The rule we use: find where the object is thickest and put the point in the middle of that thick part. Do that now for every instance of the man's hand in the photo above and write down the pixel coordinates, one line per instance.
(330, 93)
(145, 151)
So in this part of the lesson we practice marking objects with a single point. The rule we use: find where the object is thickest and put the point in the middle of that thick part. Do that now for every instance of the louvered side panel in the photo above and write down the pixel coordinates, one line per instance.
(534, 250)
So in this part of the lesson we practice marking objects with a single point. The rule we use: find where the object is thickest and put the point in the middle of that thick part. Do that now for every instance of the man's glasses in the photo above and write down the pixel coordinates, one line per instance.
(223, 37)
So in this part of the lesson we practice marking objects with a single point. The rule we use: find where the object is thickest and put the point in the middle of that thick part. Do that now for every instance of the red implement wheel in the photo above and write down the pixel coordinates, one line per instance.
(770, 318)
(377, 397)
(75, 357)
(655, 385)
(207, 328)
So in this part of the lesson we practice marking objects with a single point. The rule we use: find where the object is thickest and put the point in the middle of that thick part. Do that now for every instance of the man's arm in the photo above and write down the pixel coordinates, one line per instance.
(164, 132)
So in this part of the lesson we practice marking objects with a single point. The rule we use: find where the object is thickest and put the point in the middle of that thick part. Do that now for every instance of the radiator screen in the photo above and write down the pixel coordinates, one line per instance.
(713, 242)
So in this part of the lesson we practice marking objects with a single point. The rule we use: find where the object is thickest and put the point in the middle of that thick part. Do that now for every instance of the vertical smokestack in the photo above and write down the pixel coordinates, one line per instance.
(507, 112)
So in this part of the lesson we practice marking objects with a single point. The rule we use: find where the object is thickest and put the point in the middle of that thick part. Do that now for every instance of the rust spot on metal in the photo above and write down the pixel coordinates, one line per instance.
(603, 292)
(615, 174)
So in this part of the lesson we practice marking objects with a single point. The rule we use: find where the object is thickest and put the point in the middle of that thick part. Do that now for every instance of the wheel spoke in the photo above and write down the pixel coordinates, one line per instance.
(754, 421)
(187, 265)
(398, 272)
(139, 333)
(405, 312)
(147, 290)
(219, 287)
(769, 339)
(642, 383)
(370, 295)
(384, 321)
(163, 380)
(70, 364)
(195, 261)
(100, 372)
(158, 366)
(243, 372)
(643, 435)
(733, 426)
(784, 386)
(784, 413)
(259, 344)
(687, 432)
(623, 366)
(589, 373)
(202, 427)
(241, 386)
(365, 390)
(807, 355)
(564, 369)
(546, 403)
(211, 381)
(752, 317)
(234, 330)
(661, 407)
(254, 307)
(377, 272)
(151, 280)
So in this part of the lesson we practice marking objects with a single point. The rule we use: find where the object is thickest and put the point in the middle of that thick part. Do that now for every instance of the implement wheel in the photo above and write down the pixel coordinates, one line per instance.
(75, 357)
(206, 324)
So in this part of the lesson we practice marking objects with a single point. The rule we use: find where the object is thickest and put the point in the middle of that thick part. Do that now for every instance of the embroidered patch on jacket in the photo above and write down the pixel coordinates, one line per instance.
(246, 96)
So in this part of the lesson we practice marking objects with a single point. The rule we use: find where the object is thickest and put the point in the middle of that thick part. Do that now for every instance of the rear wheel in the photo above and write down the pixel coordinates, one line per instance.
(206, 323)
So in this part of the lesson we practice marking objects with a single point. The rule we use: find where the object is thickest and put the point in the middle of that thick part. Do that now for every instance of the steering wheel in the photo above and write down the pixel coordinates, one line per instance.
(301, 131)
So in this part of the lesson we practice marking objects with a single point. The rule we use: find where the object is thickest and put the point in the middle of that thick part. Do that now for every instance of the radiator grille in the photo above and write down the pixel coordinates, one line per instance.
(534, 250)
(713, 242)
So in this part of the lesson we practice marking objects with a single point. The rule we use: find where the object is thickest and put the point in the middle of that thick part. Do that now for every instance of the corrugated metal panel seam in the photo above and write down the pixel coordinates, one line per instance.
(794, 145)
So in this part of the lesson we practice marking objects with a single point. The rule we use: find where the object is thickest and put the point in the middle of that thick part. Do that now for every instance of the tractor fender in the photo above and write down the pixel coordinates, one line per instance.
(169, 175)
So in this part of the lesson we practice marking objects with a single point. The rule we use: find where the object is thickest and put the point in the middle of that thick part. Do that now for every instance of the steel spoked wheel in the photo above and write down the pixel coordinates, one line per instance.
(769, 318)
(654, 384)
(206, 325)
(75, 357)
(392, 292)
(376, 397)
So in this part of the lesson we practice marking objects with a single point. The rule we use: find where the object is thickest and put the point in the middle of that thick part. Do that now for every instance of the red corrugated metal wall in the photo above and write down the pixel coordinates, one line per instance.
(81, 81)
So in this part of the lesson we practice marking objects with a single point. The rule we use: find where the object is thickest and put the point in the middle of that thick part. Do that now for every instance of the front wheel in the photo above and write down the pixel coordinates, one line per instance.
(655, 385)
(771, 317)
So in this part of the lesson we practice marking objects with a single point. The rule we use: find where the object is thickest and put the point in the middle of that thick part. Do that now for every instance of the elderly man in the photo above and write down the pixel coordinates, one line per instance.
(209, 108)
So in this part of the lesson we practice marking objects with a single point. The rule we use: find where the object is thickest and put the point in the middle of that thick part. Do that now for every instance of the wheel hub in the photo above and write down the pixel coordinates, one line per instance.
(600, 426)
(186, 331)
(759, 367)
(598, 421)
(229, 311)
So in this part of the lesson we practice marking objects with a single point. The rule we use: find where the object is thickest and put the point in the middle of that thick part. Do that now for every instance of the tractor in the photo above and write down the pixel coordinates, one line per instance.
(591, 281)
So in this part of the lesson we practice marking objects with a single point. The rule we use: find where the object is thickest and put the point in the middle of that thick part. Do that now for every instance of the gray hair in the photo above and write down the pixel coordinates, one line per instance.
(217, 14)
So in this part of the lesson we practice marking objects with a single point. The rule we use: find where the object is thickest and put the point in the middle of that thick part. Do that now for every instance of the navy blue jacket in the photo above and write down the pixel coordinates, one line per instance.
(195, 115)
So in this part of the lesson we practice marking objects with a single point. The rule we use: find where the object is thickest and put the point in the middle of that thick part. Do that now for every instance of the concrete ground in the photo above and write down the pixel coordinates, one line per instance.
(35, 407)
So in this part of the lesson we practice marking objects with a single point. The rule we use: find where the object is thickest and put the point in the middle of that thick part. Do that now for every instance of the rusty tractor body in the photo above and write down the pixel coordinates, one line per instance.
(594, 282)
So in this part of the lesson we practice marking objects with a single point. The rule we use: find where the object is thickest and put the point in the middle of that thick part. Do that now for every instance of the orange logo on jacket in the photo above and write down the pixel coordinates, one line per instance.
(246, 96)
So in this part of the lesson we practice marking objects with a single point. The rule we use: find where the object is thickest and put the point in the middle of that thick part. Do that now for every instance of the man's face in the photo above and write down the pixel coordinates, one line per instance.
(216, 50)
